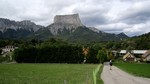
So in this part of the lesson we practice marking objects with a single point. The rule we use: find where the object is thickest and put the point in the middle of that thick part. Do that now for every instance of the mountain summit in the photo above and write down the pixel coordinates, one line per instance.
(122, 35)
(68, 19)
(68, 22)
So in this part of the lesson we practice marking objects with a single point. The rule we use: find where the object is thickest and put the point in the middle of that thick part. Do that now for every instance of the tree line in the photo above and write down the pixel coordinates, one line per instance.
(49, 54)
(58, 51)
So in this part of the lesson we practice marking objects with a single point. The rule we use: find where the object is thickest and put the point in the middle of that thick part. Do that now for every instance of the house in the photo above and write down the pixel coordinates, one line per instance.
(7, 49)
(146, 56)
(85, 52)
(122, 52)
(135, 52)
(129, 57)
(114, 52)
(138, 52)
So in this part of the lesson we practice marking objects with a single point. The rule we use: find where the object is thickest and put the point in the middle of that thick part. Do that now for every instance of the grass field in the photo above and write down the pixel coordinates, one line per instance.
(135, 68)
(46, 73)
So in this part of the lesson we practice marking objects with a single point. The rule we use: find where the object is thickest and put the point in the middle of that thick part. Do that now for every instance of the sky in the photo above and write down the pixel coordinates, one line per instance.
(113, 16)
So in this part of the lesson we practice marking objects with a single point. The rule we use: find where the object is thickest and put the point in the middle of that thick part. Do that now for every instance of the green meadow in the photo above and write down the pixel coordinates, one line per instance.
(47, 73)
(138, 69)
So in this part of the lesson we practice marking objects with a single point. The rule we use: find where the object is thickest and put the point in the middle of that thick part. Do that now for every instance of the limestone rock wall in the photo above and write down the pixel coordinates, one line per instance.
(69, 22)
(25, 24)
(68, 19)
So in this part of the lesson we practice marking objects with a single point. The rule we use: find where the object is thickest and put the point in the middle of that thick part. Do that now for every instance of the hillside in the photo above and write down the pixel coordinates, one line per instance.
(141, 42)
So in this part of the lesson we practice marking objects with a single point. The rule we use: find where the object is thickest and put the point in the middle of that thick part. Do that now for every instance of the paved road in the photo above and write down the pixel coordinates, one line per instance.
(117, 76)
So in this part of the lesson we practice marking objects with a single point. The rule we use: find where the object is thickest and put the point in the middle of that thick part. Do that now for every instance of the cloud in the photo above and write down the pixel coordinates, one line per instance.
(114, 27)
(7, 9)
(138, 29)
(129, 29)
(137, 13)
(113, 16)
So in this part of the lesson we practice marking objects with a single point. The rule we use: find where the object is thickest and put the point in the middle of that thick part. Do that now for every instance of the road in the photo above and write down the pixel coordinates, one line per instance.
(117, 76)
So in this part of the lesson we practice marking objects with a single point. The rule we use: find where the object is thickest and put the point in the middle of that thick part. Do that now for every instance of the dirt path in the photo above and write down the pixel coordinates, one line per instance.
(117, 76)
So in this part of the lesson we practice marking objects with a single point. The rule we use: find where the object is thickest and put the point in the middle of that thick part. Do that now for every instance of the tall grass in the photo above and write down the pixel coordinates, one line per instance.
(46, 73)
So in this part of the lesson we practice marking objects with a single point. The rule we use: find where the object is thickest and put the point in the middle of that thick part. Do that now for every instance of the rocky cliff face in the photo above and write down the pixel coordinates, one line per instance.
(25, 24)
(95, 29)
(6, 24)
(61, 22)
(17, 29)
(68, 19)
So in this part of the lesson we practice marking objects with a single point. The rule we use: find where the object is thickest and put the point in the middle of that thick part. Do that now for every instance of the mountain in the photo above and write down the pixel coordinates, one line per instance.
(68, 22)
(85, 34)
(122, 35)
(71, 28)
(141, 42)
(68, 27)
(17, 30)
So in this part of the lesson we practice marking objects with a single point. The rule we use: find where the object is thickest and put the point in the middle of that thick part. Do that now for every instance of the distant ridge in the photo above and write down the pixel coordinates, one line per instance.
(68, 27)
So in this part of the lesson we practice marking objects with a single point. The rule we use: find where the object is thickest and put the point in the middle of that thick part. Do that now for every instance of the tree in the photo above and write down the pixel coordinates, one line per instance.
(102, 55)
(91, 57)
(110, 56)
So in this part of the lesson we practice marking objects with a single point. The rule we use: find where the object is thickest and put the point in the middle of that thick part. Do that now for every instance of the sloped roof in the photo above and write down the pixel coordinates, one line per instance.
(123, 51)
(139, 51)
(128, 55)
(146, 54)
